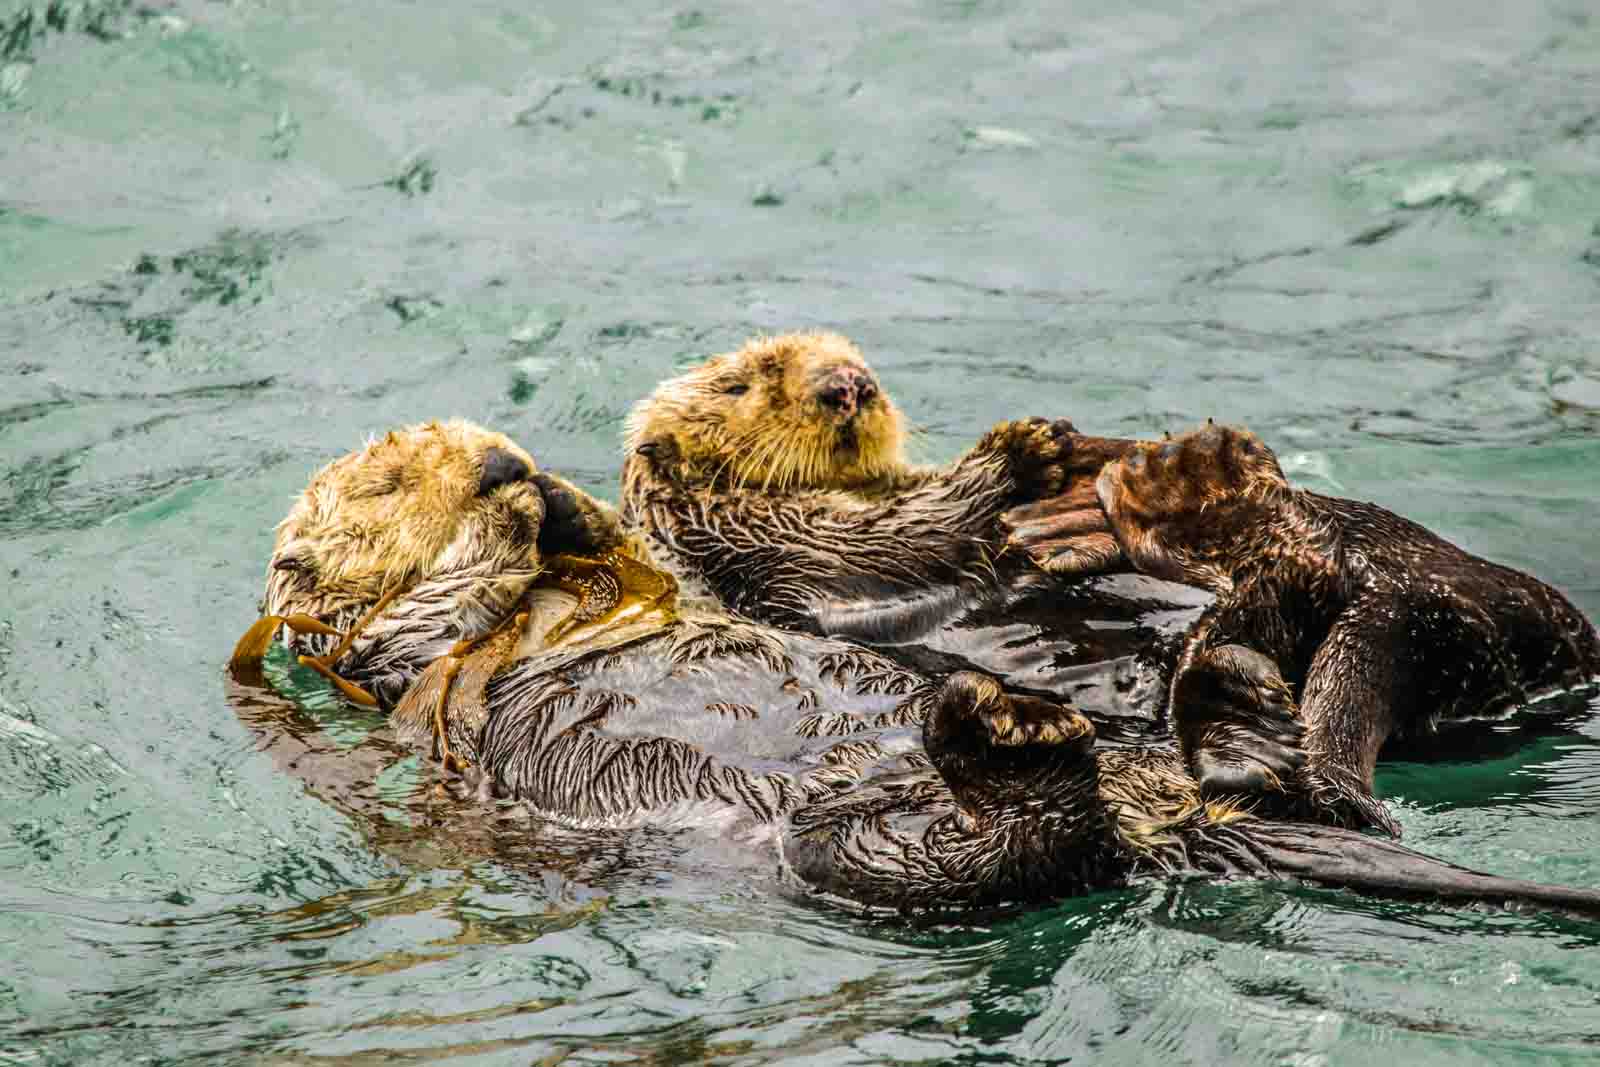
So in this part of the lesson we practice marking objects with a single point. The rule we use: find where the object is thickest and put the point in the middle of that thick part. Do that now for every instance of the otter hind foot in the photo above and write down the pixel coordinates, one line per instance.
(1238, 724)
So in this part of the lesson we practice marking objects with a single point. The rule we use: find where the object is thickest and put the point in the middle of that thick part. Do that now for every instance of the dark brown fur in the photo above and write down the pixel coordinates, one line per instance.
(905, 793)
(1337, 624)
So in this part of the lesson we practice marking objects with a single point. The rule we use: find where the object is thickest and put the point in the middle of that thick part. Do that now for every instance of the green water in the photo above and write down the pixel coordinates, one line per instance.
(235, 238)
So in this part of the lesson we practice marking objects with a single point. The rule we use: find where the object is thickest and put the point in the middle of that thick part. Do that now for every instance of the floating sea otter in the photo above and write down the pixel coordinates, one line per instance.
(433, 573)
(773, 475)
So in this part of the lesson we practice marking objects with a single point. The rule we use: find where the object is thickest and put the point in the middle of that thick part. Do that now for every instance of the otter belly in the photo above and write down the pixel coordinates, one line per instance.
(699, 720)
(1106, 645)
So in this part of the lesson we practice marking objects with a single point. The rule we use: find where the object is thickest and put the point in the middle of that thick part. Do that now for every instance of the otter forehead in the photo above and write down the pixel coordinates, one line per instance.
(433, 464)
(789, 356)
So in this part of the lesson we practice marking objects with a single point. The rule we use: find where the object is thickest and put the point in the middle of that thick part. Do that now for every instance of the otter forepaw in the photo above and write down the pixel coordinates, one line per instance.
(972, 709)
(1036, 452)
(1335, 795)
(1065, 535)
(997, 750)
(574, 522)
(1237, 724)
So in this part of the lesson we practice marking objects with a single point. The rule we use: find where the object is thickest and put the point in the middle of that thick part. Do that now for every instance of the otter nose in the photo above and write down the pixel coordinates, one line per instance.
(846, 390)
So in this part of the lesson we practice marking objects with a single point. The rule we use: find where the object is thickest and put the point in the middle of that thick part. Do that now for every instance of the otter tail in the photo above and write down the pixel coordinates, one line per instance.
(1337, 857)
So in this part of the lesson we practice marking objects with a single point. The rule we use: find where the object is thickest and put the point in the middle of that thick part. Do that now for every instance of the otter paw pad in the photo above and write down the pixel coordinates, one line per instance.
(1190, 473)
(1027, 721)
(1036, 452)
(971, 710)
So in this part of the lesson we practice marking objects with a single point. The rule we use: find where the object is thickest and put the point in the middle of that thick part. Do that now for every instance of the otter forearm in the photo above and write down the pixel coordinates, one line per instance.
(793, 559)
(418, 627)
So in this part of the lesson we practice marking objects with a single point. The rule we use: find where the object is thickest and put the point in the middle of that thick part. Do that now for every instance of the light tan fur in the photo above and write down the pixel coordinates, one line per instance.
(405, 506)
(775, 434)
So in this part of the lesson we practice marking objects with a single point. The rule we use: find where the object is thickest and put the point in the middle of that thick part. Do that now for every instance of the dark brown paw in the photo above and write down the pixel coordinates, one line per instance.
(994, 747)
(1068, 533)
(1237, 724)
(971, 711)
(1180, 507)
(1036, 452)
(574, 522)
(1334, 795)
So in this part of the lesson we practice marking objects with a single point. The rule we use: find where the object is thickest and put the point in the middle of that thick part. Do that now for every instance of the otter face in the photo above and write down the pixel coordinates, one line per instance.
(412, 503)
(797, 411)
(1185, 509)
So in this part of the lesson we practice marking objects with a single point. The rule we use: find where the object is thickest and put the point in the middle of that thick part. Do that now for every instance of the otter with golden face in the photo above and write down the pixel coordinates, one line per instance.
(783, 414)
(436, 569)
(1285, 691)
(775, 477)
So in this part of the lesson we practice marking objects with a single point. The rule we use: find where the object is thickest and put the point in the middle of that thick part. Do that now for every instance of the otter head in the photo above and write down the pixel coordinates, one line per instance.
(796, 411)
(1195, 509)
(415, 502)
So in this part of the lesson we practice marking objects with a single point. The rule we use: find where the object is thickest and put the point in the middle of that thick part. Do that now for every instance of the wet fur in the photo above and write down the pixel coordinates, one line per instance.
(878, 785)
(793, 514)
(1338, 624)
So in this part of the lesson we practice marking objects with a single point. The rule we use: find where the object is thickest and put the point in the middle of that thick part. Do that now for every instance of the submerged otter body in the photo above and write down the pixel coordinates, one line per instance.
(582, 687)
(1286, 689)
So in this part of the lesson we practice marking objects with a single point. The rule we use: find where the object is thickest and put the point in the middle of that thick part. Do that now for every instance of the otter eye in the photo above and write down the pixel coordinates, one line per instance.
(737, 389)
(501, 468)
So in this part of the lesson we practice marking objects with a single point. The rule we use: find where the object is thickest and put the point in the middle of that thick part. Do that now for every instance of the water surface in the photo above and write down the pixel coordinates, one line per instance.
(236, 238)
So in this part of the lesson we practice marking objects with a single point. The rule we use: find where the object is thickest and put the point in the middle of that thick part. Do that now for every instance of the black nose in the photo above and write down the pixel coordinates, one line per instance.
(846, 390)
(838, 396)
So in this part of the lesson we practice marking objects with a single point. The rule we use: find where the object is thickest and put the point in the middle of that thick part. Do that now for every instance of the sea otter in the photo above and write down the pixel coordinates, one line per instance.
(774, 479)
(1337, 625)
(430, 573)
(788, 540)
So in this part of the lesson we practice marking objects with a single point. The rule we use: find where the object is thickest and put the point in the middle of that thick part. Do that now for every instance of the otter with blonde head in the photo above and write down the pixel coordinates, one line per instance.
(1335, 625)
(775, 477)
(505, 625)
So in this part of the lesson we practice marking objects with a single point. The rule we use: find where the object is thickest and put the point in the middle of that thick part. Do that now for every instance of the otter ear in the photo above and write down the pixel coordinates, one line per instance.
(501, 468)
